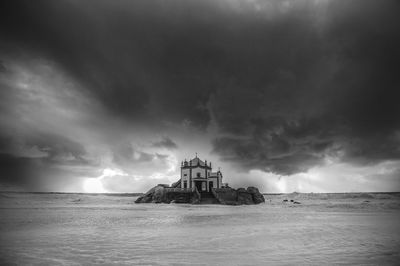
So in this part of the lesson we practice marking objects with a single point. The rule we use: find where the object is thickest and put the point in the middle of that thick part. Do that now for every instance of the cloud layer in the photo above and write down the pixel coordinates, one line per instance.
(283, 87)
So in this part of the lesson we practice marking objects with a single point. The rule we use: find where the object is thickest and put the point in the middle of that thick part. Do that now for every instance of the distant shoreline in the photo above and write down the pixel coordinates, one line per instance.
(75, 193)
(140, 194)
(382, 192)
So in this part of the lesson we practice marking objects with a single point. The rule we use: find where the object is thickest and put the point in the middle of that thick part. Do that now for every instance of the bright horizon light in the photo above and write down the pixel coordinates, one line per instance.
(95, 185)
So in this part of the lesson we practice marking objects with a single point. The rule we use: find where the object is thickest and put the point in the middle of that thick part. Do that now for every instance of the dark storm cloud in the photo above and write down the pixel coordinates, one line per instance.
(46, 145)
(124, 153)
(287, 83)
(2, 67)
(314, 91)
(43, 160)
(138, 58)
(132, 159)
(42, 174)
(275, 145)
(166, 143)
(57, 147)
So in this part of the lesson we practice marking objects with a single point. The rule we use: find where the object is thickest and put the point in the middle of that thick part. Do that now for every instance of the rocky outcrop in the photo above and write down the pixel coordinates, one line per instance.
(164, 194)
(256, 195)
(147, 197)
(244, 197)
(227, 196)
(159, 194)
(230, 196)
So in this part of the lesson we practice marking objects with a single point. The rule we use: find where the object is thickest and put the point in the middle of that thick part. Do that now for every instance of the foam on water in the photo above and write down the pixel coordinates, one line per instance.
(73, 229)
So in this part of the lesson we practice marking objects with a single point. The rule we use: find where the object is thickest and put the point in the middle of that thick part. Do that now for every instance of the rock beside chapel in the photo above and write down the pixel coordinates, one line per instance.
(164, 194)
(241, 196)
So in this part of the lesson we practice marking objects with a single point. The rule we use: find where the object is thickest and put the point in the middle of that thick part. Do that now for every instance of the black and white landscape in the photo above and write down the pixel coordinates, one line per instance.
(113, 96)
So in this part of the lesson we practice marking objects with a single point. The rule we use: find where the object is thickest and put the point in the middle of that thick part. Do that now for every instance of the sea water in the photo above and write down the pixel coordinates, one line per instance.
(85, 229)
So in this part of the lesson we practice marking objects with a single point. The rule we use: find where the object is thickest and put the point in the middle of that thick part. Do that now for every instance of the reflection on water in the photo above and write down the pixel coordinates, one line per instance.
(65, 229)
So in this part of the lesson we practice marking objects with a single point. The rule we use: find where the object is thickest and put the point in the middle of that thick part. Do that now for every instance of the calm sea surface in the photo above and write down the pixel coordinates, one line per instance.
(75, 229)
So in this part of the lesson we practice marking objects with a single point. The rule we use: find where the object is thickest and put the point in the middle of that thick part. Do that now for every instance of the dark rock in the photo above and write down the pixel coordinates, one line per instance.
(144, 199)
(159, 194)
(256, 195)
(162, 194)
(296, 202)
(291, 200)
(147, 197)
(230, 196)
(227, 196)
(139, 199)
(285, 200)
(244, 197)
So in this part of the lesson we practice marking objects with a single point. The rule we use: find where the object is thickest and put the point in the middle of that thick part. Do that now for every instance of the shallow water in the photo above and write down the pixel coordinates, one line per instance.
(73, 229)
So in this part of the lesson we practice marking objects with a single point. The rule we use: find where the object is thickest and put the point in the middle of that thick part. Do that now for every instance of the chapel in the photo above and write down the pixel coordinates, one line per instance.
(198, 174)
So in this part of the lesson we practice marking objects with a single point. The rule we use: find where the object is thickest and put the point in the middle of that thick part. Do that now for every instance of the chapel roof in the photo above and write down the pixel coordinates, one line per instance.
(196, 161)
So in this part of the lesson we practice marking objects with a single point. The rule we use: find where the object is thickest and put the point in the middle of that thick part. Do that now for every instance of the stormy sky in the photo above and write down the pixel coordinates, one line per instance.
(110, 96)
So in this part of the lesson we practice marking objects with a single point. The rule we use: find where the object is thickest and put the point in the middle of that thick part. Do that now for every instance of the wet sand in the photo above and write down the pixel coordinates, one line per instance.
(73, 229)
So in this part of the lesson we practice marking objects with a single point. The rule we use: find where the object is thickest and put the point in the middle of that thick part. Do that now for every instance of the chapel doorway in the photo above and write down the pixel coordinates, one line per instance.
(198, 186)
(210, 185)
